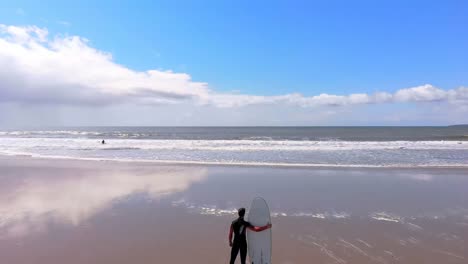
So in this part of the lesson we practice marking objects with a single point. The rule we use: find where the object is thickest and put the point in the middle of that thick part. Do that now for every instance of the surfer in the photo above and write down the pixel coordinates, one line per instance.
(239, 243)
(103, 142)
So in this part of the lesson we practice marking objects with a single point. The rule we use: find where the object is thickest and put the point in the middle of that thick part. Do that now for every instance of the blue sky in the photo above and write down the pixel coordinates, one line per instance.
(272, 47)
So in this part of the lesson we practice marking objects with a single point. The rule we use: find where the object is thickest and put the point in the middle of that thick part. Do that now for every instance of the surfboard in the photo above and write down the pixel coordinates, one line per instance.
(259, 243)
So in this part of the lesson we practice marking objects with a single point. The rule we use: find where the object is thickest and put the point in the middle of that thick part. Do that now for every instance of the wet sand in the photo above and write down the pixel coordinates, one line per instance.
(66, 211)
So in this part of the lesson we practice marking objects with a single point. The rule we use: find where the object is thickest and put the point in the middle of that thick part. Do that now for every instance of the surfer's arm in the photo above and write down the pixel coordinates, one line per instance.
(259, 228)
(230, 236)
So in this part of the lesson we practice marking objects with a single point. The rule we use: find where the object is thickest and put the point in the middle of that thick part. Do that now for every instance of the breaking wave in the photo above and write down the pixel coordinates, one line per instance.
(248, 152)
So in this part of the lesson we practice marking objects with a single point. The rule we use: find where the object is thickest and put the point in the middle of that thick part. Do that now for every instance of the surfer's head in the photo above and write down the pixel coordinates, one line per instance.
(241, 212)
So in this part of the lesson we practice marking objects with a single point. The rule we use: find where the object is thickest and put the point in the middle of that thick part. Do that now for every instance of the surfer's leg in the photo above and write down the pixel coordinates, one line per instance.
(243, 252)
(234, 251)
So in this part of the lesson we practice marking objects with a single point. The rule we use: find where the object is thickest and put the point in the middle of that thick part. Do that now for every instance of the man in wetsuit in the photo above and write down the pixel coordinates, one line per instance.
(238, 227)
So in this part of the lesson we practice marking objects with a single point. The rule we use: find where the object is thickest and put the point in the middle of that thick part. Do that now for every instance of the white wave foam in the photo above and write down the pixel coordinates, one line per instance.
(258, 138)
(231, 145)
(414, 227)
(214, 210)
(364, 242)
(323, 215)
(241, 152)
(312, 215)
(207, 209)
(341, 215)
(204, 209)
(49, 133)
(277, 214)
(383, 216)
(231, 163)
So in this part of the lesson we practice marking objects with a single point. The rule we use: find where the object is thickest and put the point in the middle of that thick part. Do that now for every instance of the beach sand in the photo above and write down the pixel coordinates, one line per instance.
(71, 211)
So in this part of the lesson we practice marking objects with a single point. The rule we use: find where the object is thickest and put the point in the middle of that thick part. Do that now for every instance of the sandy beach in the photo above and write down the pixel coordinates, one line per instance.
(133, 132)
(71, 211)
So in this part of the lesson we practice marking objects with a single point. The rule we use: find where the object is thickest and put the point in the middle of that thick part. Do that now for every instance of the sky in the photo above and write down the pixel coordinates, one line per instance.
(233, 63)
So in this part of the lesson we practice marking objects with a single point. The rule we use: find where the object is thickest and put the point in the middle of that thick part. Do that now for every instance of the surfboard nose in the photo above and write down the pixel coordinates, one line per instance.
(259, 243)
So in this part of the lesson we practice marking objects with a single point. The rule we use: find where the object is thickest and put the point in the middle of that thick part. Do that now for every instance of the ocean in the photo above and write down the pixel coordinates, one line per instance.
(261, 146)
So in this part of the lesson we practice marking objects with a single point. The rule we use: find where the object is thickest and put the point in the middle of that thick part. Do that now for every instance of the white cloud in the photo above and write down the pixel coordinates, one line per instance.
(425, 93)
(382, 97)
(38, 69)
(67, 70)
(458, 95)
(23, 35)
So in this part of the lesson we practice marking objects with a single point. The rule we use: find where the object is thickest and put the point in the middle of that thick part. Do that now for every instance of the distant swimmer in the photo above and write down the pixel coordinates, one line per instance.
(239, 243)
(103, 141)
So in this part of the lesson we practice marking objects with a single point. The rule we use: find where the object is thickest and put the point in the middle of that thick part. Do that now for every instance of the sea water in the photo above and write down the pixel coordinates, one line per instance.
(272, 146)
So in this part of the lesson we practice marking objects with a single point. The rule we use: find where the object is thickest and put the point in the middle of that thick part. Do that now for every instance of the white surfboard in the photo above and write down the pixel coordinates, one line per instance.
(259, 243)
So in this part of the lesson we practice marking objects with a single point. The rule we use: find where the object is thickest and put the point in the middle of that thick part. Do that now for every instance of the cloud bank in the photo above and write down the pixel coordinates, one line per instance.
(36, 68)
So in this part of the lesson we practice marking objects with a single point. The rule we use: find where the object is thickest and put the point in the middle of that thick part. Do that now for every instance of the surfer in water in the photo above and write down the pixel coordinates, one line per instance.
(239, 243)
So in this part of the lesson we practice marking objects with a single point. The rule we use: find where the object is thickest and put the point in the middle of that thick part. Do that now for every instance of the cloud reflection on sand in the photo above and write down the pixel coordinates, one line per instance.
(421, 177)
(71, 199)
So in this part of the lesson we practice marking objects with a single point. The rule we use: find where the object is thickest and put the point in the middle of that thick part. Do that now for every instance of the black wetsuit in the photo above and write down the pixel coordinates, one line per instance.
(239, 227)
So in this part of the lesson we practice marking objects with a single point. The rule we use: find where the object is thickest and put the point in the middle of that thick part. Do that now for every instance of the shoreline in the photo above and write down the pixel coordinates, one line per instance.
(236, 164)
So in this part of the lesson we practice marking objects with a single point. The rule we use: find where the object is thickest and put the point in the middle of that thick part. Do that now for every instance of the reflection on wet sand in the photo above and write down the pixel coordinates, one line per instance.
(74, 196)
(105, 212)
